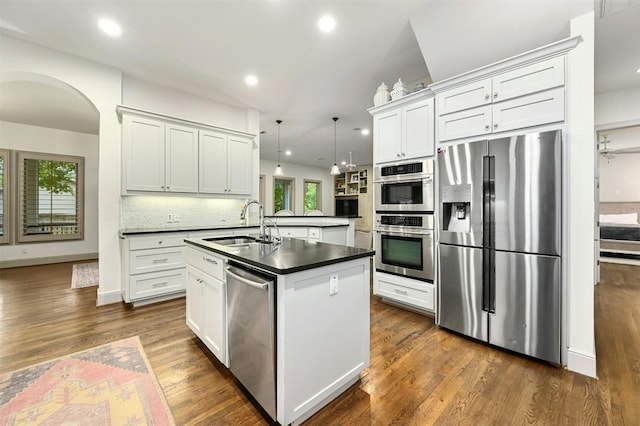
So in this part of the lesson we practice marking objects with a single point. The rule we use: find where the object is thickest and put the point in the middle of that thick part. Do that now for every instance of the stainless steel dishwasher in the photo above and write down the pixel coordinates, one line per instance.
(252, 346)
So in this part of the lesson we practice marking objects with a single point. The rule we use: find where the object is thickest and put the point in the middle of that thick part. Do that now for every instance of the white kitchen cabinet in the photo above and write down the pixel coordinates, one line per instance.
(291, 232)
(153, 268)
(414, 293)
(522, 81)
(206, 300)
(225, 163)
(518, 113)
(404, 129)
(158, 156)
(526, 96)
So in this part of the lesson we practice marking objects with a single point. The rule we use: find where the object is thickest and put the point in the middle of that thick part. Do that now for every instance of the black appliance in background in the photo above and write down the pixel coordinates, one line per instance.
(346, 207)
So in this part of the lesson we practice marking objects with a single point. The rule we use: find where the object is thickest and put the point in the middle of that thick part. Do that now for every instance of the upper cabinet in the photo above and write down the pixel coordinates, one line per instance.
(225, 163)
(165, 155)
(526, 96)
(404, 129)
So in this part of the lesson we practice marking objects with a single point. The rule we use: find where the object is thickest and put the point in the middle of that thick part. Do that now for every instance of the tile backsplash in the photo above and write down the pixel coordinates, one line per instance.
(148, 211)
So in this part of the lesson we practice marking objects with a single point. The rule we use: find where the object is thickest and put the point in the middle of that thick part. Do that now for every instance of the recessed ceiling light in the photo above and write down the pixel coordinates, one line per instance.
(638, 70)
(251, 80)
(327, 23)
(110, 27)
(344, 163)
(365, 132)
(287, 152)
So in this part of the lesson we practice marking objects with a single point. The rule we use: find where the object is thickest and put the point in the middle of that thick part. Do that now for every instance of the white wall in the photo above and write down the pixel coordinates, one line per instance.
(102, 86)
(300, 173)
(617, 107)
(579, 202)
(40, 139)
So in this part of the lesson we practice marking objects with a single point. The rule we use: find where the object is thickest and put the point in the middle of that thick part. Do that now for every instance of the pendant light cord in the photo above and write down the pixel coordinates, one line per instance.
(278, 121)
(335, 139)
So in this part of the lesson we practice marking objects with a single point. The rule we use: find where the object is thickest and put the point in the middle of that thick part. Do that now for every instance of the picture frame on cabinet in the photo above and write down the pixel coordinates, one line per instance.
(354, 178)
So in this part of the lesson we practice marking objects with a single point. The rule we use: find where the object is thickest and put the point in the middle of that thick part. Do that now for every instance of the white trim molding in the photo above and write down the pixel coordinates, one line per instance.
(581, 362)
(108, 297)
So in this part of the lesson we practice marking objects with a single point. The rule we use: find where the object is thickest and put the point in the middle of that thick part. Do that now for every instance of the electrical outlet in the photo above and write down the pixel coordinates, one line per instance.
(169, 217)
(333, 285)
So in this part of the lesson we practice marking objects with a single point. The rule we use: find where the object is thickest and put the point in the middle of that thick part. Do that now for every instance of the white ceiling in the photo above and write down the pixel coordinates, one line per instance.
(306, 77)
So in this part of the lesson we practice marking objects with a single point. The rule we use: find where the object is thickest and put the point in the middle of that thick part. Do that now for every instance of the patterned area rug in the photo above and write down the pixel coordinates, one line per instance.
(84, 275)
(106, 385)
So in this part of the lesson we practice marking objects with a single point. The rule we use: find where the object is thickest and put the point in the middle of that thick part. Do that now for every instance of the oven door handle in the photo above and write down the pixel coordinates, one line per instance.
(401, 233)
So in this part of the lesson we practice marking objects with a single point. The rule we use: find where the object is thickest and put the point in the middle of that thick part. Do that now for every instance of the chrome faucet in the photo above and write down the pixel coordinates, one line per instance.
(243, 216)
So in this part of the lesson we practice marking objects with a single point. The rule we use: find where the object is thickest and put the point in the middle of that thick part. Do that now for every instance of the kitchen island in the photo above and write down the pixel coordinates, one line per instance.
(320, 314)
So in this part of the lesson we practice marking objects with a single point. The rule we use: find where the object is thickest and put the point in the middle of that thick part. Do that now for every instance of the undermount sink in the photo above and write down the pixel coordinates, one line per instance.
(236, 241)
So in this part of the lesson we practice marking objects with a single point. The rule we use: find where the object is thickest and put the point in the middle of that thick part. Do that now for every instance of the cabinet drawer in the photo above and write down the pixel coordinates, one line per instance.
(464, 97)
(206, 262)
(157, 241)
(151, 260)
(471, 122)
(421, 298)
(314, 233)
(157, 283)
(526, 111)
(529, 79)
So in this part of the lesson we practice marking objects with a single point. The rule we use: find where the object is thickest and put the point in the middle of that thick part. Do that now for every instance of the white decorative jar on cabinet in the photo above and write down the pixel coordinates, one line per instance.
(399, 90)
(382, 95)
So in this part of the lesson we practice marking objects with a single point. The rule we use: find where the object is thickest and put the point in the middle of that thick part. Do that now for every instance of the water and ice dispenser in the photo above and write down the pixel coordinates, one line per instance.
(456, 207)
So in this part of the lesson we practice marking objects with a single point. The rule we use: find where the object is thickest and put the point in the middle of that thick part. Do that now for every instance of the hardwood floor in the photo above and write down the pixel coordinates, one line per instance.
(419, 374)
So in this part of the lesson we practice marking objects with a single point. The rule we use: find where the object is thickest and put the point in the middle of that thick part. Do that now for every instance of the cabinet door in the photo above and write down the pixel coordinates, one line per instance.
(417, 132)
(239, 165)
(464, 97)
(213, 162)
(181, 172)
(143, 141)
(195, 284)
(214, 307)
(471, 122)
(530, 79)
(527, 111)
(387, 136)
(289, 232)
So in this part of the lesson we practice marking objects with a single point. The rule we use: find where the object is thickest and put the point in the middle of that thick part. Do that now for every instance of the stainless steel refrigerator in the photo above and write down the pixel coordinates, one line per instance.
(500, 242)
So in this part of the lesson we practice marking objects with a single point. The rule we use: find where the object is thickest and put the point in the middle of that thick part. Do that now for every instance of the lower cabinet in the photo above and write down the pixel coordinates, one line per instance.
(153, 267)
(414, 293)
(206, 300)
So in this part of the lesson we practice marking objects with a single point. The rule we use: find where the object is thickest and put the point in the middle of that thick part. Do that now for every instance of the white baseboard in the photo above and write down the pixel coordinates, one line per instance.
(108, 298)
(16, 263)
(581, 362)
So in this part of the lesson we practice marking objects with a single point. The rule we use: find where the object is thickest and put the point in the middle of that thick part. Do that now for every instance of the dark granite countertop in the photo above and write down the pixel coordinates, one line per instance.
(292, 255)
(139, 231)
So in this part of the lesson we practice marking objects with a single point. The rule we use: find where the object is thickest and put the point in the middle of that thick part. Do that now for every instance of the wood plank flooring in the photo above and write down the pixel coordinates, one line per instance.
(419, 374)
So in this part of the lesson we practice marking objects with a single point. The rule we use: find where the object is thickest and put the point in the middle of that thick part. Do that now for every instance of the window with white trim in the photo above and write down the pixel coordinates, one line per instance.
(51, 197)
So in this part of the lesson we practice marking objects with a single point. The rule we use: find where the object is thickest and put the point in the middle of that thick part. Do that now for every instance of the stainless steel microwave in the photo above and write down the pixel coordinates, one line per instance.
(404, 187)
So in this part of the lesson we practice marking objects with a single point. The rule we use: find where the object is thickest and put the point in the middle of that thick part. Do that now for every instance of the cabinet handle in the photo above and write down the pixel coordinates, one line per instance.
(486, 97)
(160, 260)
(206, 259)
(495, 126)
(486, 127)
(495, 95)
(200, 280)
(398, 155)
(158, 285)
(160, 242)
(402, 292)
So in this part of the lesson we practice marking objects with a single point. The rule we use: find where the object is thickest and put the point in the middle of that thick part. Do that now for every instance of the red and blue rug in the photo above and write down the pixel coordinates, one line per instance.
(111, 384)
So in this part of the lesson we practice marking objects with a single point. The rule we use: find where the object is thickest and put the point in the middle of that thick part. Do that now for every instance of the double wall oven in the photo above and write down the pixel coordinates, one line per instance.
(404, 219)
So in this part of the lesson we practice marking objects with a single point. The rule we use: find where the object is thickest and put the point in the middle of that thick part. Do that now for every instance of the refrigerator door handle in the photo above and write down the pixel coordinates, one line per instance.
(488, 236)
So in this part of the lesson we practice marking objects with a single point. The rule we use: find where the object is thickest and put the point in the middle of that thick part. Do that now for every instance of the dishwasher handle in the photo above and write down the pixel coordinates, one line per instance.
(261, 286)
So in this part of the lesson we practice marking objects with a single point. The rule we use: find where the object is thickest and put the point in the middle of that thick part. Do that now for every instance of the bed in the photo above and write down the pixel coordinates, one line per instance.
(619, 230)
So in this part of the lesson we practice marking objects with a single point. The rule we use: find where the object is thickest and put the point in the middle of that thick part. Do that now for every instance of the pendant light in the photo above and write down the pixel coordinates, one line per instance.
(278, 171)
(335, 170)
(351, 166)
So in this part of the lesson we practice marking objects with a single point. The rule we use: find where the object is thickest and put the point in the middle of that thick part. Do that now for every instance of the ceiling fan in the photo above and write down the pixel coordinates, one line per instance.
(610, 153)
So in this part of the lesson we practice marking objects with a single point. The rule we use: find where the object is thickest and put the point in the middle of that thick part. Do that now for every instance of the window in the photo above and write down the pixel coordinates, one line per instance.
(283, 194)
(51, 197)
(312, 195)
(5, 220)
